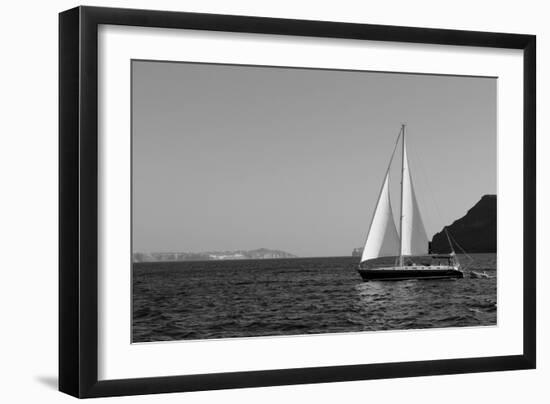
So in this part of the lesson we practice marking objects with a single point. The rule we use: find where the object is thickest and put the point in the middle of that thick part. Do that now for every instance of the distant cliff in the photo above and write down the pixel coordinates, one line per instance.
(260, 253)
(476, 232)
(357, 252)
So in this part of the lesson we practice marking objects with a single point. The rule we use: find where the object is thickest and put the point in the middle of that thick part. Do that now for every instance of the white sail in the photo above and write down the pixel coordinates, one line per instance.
(382, 239)
(414, 240)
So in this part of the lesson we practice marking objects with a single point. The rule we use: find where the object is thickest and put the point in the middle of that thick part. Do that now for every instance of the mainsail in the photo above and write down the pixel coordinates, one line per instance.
(414, 240)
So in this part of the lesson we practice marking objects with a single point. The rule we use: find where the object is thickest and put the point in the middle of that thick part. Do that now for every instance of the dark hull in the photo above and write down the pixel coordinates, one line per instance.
(399, 275)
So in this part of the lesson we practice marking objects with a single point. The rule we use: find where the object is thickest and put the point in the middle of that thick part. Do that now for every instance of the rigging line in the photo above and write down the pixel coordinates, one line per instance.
(449, 240)
(438, 214)
(459, 246)
(469, 264)
(428, 185)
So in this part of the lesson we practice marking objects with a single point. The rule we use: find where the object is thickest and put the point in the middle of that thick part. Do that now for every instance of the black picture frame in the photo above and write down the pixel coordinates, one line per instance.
(78, 201)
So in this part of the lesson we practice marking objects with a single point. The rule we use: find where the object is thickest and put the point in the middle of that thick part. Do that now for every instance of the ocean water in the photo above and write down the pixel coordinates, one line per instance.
(224, 299)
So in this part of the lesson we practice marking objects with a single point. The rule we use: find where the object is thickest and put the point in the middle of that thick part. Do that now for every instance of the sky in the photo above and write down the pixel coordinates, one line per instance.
(228, 157)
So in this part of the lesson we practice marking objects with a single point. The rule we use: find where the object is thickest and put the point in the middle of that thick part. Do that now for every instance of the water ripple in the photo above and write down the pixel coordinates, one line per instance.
(213, 299)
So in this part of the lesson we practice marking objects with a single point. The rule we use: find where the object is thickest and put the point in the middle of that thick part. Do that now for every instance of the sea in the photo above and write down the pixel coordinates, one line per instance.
(194, 300)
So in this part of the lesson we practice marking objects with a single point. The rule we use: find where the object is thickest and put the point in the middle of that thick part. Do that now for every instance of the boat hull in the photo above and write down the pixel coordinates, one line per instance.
(387, 274)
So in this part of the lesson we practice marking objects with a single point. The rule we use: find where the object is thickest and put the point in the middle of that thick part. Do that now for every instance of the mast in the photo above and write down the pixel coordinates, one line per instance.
(401, 212)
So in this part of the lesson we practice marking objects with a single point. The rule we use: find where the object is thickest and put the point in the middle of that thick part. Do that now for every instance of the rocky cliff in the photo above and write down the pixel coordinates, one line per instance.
(357, 252)
(476, 232)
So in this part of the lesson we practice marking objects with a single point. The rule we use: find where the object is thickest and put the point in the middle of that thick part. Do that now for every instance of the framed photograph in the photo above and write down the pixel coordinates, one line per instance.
(250, 201)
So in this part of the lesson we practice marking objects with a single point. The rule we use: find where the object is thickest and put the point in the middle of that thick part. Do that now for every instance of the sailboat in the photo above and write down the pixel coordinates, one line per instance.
(410, 246)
